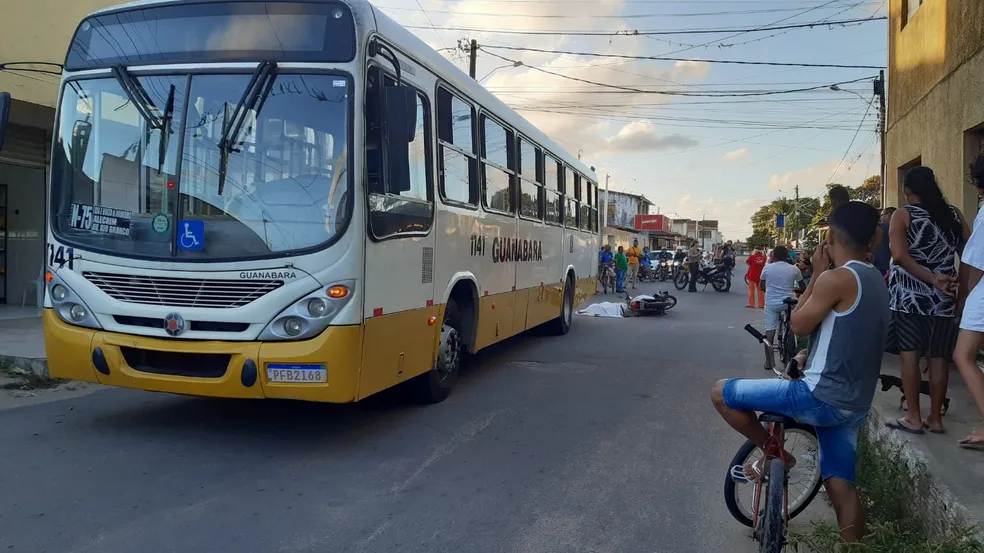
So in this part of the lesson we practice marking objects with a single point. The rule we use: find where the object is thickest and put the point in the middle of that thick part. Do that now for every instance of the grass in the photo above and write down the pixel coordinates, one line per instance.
(888, 490)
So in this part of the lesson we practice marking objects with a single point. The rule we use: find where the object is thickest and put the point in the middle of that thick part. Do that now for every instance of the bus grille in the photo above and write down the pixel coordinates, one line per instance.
(181, 292)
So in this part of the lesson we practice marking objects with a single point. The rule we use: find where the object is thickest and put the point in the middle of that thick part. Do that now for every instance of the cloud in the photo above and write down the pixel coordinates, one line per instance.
(812, 180)
(686, 202)
(641, 136)
(736, 154)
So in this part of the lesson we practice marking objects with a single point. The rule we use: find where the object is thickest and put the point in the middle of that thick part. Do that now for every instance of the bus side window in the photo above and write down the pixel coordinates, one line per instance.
(456, 149)
(398, 211)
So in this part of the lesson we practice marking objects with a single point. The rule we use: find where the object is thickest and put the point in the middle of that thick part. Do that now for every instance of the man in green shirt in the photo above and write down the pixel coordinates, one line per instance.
(621, 266)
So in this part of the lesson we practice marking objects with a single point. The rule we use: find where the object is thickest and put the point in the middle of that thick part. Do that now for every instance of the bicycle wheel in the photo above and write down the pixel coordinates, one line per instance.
(803, 480)
(772, 538)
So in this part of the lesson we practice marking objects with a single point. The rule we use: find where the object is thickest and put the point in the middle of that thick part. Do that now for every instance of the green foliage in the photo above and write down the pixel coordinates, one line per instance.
(888, 490)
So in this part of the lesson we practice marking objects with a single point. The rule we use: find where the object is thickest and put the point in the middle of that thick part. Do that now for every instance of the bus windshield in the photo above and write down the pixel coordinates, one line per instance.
(138, 170)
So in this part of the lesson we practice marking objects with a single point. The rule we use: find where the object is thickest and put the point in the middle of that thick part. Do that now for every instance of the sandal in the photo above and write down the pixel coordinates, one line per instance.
(898, 425)
(975, 443)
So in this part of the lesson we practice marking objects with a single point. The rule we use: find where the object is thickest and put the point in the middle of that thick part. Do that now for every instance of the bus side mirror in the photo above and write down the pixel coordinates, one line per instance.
(399, 125)
(4, 115)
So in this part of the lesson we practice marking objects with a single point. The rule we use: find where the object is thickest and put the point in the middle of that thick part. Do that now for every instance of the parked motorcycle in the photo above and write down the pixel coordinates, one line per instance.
(717, 276)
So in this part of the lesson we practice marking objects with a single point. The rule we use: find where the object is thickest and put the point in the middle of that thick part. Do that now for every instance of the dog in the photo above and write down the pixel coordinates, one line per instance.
(888, 382)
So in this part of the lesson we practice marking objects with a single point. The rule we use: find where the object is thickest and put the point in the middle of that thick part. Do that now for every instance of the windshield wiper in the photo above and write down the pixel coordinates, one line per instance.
(138, 97)
(253, 98)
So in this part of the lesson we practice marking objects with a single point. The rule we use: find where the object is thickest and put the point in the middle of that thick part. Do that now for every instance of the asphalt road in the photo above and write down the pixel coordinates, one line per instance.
(600, 441)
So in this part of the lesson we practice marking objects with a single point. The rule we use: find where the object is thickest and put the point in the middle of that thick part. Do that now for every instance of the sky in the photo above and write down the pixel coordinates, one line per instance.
(714, 157)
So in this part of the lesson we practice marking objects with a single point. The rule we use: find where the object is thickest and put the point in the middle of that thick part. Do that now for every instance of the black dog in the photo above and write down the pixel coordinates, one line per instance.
(888, 382)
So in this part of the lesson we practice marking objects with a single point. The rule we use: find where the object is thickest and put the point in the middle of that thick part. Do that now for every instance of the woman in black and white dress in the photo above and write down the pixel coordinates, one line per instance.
(925, 237)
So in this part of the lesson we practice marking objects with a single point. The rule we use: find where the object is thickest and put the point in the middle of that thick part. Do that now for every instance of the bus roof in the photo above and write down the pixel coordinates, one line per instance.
(424, 54)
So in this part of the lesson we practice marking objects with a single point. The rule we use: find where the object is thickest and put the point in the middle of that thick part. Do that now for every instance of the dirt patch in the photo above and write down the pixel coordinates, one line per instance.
(569, 367)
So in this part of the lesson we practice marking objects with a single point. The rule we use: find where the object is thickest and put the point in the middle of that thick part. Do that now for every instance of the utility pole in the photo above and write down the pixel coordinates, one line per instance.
(472, 57)
(608, 177)
(880, 92)
(796, 204)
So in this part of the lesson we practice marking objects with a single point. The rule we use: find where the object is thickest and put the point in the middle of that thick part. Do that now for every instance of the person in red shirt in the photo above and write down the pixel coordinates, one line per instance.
(755, 262)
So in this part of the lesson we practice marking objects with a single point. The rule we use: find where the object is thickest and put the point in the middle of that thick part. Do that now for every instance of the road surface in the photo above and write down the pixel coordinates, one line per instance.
(600, 441)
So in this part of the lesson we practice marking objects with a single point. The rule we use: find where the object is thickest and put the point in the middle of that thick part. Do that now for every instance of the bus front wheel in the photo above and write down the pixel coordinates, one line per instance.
(435, 385)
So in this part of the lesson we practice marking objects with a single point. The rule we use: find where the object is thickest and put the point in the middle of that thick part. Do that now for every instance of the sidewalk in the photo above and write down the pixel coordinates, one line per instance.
(957, 475)
(22, 340)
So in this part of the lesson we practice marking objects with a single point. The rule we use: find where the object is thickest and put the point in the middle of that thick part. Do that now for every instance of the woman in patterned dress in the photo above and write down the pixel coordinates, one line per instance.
(925, 237)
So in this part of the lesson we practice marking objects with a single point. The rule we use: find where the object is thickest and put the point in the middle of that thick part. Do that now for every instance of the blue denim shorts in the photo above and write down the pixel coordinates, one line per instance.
(837, 429)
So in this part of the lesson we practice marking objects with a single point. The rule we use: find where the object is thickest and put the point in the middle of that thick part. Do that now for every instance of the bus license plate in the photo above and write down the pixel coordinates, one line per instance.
(296, 373)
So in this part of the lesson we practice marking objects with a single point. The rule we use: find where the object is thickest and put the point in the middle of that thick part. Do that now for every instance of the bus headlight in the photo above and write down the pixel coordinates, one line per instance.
(58, 292)
(317, 307)
(77, 313)
(68, 305)
(293, 326)
(308, 316)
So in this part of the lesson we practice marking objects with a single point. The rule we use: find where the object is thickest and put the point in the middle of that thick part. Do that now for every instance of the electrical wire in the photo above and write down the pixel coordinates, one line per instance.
(849, 146)
(674, 93)
(663, 58)
(636, 32)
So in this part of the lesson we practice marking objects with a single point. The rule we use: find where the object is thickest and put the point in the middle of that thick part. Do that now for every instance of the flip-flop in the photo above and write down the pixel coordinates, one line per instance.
(897, 425)
(971, 442)
(933, 431)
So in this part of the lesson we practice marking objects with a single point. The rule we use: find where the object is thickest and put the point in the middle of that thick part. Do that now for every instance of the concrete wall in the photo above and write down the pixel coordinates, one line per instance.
(936, 95)
(39, 30)
(622, 208)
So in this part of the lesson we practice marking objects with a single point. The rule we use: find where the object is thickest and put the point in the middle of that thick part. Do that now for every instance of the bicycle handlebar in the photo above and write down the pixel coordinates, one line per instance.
(755, 333)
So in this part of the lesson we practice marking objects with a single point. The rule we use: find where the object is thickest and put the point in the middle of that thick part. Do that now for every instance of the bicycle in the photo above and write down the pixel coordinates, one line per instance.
(607, 278)
(785, 340)
(772, 508)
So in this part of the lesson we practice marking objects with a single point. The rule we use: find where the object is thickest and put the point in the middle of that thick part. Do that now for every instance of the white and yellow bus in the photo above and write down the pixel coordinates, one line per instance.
(296, 199)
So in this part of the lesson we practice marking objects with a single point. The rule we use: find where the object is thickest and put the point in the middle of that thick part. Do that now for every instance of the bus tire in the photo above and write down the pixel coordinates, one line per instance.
(435, 385)
(562, 324)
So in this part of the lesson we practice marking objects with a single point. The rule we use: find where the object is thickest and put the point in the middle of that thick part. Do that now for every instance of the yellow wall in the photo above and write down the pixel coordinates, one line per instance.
(935, 94)
(39, 30)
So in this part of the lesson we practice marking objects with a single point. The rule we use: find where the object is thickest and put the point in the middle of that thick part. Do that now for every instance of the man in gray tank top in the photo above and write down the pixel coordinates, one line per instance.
(845, 312)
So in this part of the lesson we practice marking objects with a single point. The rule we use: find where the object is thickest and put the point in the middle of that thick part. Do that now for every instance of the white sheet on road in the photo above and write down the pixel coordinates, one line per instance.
(604, 309)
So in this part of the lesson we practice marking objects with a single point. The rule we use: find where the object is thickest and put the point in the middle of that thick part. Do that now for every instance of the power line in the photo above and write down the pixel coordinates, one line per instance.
(620, 16)
(436, 32)
(636, 32)
(663, 58)
(675, 93)
(849, 146)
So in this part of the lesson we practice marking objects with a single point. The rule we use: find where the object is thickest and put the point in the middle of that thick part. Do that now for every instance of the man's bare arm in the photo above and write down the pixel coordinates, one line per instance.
(823, 293)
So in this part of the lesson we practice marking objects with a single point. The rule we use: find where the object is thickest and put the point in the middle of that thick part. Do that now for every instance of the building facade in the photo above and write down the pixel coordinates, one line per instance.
(38, 31)
(935, 95)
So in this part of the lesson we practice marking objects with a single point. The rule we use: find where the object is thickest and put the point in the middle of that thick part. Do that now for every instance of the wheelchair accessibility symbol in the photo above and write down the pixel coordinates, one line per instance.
(191, 236)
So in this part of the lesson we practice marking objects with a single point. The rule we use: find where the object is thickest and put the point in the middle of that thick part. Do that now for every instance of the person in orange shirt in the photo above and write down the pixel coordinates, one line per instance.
(634, 254)
(755, 262)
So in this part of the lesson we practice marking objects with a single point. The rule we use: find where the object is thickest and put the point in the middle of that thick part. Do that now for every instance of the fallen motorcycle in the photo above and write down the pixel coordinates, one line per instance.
(657, 304)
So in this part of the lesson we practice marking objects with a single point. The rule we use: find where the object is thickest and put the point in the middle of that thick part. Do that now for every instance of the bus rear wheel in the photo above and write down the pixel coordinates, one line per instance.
(435, 385)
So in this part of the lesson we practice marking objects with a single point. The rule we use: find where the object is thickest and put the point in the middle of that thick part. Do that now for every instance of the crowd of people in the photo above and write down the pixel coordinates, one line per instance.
(905, 281)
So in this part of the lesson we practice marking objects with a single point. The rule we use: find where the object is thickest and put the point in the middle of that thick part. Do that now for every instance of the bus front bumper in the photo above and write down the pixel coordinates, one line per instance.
(204, 368)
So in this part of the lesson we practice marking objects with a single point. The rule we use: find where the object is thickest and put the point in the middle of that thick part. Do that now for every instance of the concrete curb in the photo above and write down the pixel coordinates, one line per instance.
(39, 367)
(935, 504)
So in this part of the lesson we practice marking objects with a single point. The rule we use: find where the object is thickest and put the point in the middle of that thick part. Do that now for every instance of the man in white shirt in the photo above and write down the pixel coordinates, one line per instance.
(971, 306)
(780, 278)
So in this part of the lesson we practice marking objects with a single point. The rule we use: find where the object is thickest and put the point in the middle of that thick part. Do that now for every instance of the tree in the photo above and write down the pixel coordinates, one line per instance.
(757, 240)
(869, 191)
